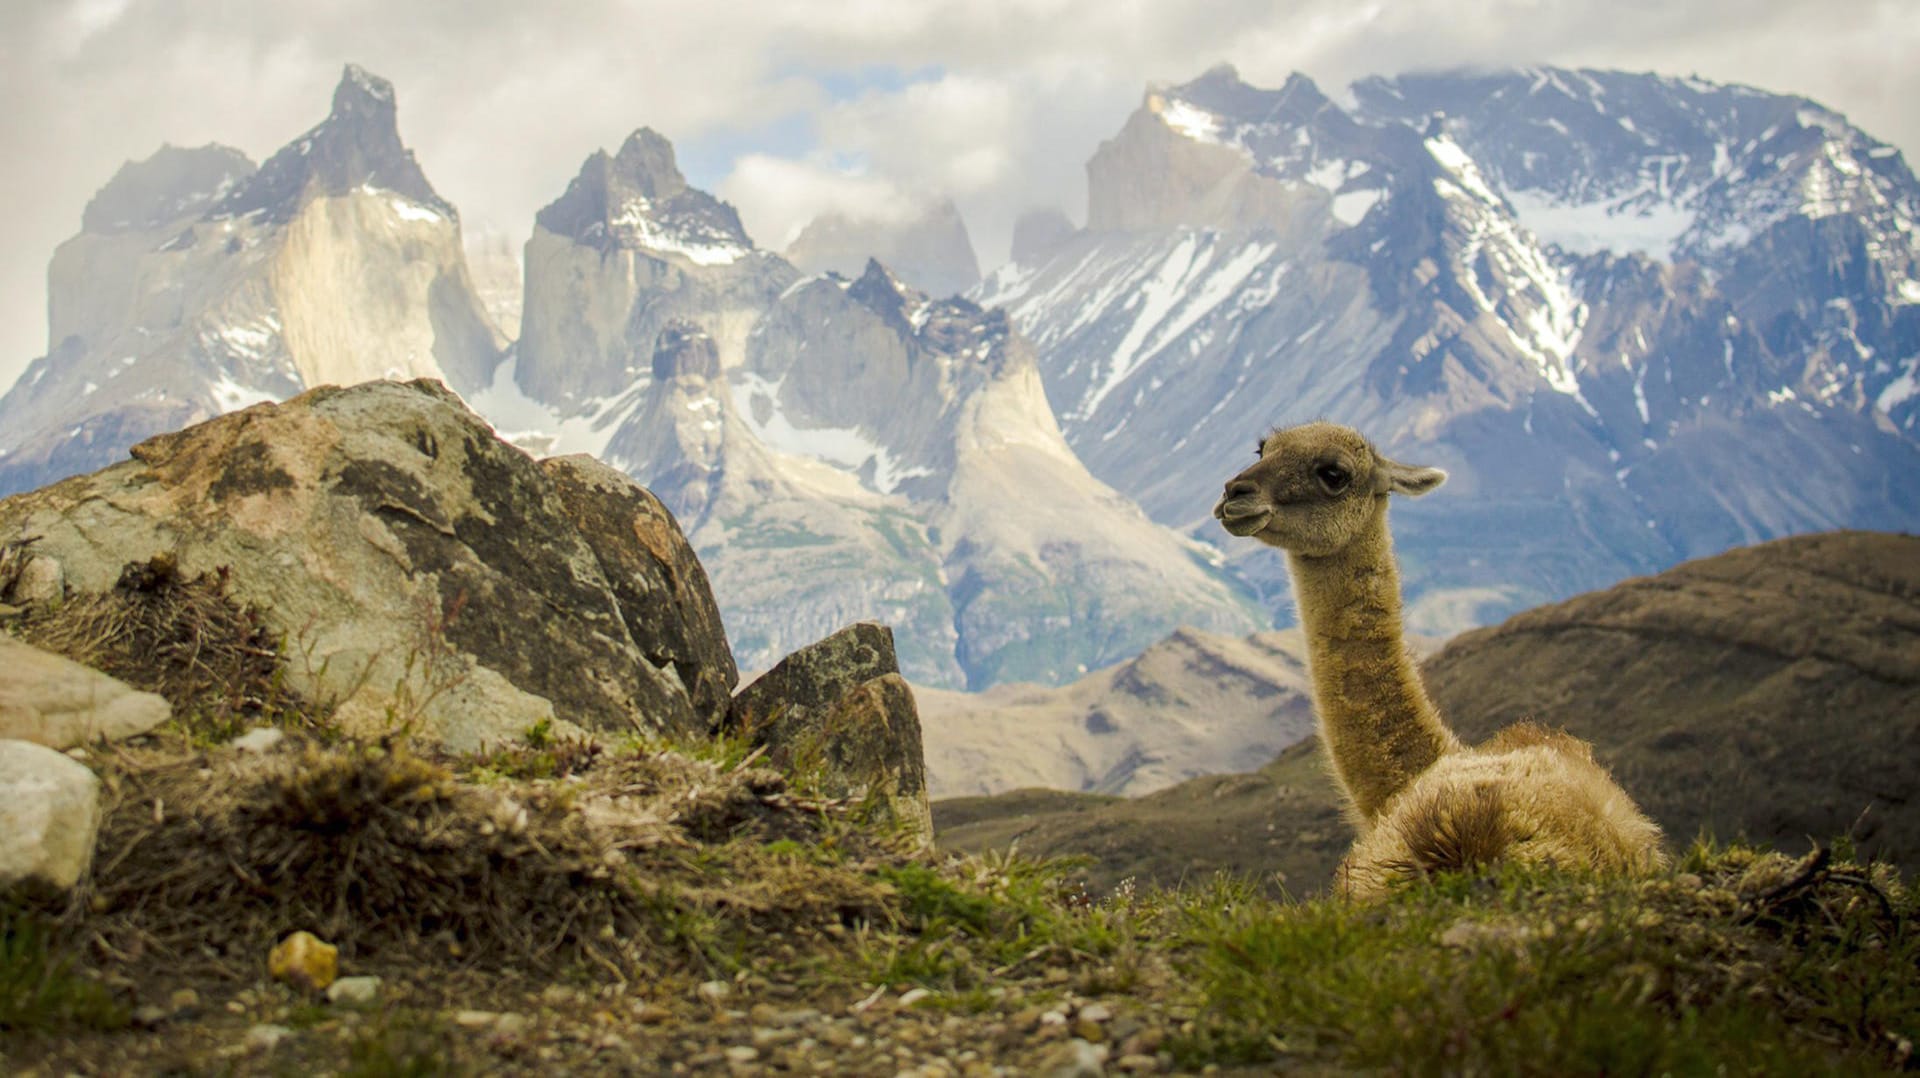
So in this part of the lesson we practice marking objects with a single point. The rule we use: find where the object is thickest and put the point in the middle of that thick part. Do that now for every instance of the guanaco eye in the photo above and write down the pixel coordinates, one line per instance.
(1333, 477)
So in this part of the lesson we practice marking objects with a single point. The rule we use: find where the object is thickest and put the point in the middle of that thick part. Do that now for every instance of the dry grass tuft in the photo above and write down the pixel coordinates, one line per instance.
(181, 637)
(646, 863)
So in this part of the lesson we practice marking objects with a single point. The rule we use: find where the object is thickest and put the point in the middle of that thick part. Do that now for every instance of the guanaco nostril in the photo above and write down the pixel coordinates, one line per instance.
(1241, 487)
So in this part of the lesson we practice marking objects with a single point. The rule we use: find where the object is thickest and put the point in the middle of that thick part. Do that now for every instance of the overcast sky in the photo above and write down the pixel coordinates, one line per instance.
(786, 107)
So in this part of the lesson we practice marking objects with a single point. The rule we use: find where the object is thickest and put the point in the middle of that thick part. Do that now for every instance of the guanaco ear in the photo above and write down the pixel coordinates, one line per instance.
(1392, 477)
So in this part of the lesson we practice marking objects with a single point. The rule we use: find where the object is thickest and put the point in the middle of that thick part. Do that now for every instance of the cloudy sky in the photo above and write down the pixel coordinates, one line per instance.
(786, 107)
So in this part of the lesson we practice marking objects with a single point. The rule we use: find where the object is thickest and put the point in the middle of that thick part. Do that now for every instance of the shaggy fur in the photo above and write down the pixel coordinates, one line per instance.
(1420, 799)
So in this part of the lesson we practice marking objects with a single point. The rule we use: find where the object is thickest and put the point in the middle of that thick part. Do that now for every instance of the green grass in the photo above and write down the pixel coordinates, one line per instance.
(39, 990)
(1535, 973)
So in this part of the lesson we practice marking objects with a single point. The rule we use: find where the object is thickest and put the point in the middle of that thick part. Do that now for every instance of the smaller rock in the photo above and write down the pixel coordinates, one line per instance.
(51, 700)
(258, 739)
(913, 996)
(742, 1053)
(266, 1037)
(354, 991)
(650, 1014)
(714, 991)
(1075, 1059)
(1097, 1012)
(475, 1019)
(41, 580)
(49, 815)
(183, 1001)
(511, 1024)
(304, 960)
(149, 1015)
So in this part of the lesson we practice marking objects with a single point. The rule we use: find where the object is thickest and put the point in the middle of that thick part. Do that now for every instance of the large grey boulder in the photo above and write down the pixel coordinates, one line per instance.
(840, 706)
(53, 701)
(657, 580)
(49, 815)
(428, 577)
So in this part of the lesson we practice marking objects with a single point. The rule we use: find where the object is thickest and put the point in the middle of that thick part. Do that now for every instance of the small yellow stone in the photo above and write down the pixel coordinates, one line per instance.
(304, 960)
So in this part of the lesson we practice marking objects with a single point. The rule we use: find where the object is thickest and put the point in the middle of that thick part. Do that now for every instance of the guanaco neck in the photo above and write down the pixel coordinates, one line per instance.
(1376, 720)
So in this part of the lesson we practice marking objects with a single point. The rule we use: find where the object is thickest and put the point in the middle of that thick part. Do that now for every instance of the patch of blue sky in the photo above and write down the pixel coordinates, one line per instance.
(708, 158)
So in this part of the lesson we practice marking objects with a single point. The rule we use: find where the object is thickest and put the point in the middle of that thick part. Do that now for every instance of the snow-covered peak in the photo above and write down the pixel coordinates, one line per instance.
(357, 146)
(1673, 168)
(1295, 134)
(638, 199)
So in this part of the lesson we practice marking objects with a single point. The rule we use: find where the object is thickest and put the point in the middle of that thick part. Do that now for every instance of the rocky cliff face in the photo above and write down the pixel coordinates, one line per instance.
(1467, 269)
(930, 249)
(626, 250)
(880, 454)
(199, 284)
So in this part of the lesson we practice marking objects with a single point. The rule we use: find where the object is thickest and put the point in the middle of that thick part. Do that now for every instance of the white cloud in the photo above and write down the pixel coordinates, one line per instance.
(777, 197)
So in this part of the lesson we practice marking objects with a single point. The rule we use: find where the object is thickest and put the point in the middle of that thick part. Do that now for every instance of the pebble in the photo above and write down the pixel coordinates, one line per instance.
(1097, 1012)
(354, 991)
(714, 991)
(258, 739)
(742, 1053)
(1075, 1059)
(475, 1019)
(266, 1037)
(511, 1024)
(183, 1000)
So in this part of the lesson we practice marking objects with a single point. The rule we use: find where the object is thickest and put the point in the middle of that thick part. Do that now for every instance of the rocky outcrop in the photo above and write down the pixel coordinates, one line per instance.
(53, 701)
(424, 575)
(663, 593)
(49, 815)
(841, 706)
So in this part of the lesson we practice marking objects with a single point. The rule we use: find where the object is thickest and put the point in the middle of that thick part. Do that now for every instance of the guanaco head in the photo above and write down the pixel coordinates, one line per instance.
(1315, 488)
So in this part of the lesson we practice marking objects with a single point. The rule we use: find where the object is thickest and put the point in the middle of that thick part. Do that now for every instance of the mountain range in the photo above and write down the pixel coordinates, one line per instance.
(1639, 319)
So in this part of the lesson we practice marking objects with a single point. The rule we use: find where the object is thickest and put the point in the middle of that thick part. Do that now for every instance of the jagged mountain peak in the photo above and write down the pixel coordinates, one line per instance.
(173, 184)
(357, 146)
(1220, 90)
(953, 326)
(637, 199)
(364, 97)
(646, 161)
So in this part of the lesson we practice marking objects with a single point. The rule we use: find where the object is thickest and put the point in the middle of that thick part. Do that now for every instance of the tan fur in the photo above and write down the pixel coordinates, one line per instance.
(1421, 800)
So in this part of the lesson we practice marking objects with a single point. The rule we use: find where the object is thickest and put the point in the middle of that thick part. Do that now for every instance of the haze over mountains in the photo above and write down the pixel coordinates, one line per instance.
(1638, 318)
